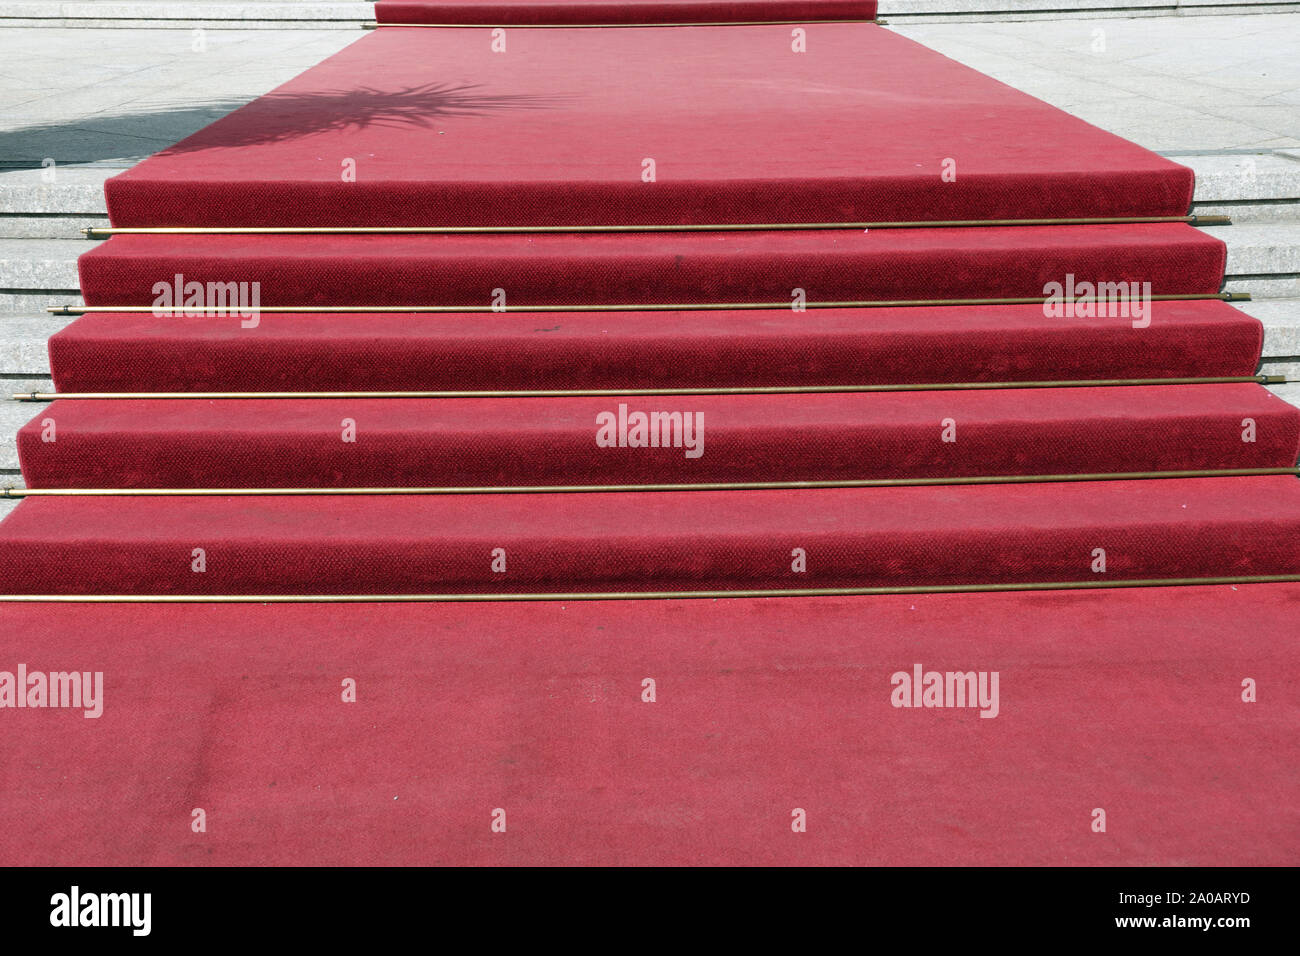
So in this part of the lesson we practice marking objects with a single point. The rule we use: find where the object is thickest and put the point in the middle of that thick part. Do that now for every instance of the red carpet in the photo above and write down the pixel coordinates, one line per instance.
(607, 268)
(555, 131)
(1129, 702)
(358, 352)
(525, 12)
(610, 542)
(531, 441)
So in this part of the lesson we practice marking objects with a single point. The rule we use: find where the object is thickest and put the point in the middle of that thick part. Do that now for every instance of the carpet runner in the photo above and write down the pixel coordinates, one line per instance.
(1122, 701)
(836, 139)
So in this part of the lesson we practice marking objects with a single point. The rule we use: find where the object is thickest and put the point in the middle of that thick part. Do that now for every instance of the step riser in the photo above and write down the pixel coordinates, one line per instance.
(48, 227)
(1274, 212)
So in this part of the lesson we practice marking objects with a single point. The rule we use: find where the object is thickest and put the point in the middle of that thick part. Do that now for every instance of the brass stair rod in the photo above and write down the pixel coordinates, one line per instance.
(105, 232)
(633, 392)
(182, 311)
(221, 492)
(570, 596)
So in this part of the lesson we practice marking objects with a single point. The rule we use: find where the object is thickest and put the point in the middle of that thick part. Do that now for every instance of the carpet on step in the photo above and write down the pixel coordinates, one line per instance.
(515, 270)
(117, 352)
(340, 443)
(510, 13)
(643, 126)
(1128, 702)
(646, 541)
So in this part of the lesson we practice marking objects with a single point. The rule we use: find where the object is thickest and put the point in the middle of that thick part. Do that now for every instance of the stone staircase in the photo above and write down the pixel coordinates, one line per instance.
(40, 242)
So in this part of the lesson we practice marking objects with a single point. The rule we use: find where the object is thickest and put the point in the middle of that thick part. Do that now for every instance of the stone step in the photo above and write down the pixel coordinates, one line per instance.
(13, 416)
(958, 11)
(24, 352)
(1281, 318)
(1263, 258)
(1248, 186)
(36, 273)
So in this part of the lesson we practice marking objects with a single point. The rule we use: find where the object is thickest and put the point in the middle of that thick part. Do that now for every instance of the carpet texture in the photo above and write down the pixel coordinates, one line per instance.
(116, 352)
(426, 126)
(532, 12)
(1121, 701)
(765, 713)
(412, 544)
(514, 270)
(649, 439)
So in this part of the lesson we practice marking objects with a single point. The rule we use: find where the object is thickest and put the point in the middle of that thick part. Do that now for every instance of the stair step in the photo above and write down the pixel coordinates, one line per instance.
(670, 541)
(287, 443)
(567, 269)
(117, 352)
(24, 348)
(41, 265)
(13, 416)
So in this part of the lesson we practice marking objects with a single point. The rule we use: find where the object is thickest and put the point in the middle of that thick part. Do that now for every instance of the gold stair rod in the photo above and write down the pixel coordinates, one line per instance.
(104, 232)
(219, 312)
(568, 596)
(630, 392)
(643, 488)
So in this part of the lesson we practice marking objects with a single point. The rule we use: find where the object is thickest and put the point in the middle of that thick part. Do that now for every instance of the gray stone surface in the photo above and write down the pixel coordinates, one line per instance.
(241, 14)
(13, 416)
(47, 227)
(1261, 249)
(40, 263)
(115, 97)
(18, 303)
(23, 345)
(1189, 86)
(1281, 318)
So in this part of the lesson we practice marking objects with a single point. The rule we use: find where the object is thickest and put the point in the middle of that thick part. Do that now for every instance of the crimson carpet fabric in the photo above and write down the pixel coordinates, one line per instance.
(585, 12)
(492, 441)
(431, 127)
(1127, 702)
(764, 711)
(511, 270)
(611, 542)
(116, 352)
